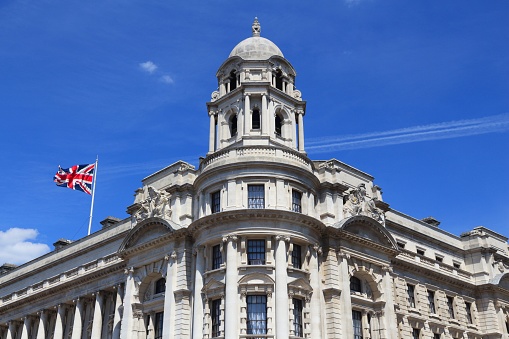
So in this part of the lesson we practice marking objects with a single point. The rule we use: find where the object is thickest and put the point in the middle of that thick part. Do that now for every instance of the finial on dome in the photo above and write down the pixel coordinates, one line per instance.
(256, 27)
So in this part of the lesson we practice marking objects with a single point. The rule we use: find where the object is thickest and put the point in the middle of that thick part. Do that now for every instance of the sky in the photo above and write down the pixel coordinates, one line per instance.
(414, 93)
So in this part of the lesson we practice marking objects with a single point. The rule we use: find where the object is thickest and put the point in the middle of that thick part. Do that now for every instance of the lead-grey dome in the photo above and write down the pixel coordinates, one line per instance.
(256, 47)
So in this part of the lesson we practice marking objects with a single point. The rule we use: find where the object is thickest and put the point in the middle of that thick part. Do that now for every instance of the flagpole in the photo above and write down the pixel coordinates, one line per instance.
(93, 194)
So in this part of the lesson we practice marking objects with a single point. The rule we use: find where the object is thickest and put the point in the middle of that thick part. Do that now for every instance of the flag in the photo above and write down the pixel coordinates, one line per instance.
(78, 177)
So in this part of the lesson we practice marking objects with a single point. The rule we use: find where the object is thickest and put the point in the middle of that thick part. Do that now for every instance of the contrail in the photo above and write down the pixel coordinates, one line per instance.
(444, 130)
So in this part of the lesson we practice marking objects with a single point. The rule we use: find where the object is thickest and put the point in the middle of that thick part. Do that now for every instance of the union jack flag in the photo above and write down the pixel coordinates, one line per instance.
(78, 177)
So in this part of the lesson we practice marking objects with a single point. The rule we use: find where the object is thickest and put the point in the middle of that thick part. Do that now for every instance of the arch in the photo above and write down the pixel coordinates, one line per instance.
(147, 288)
(368, 228)
(281, 120)
(255, 118)
(502, 280)
(233, 125)
(146, 231)
(368, 284)
(256, 279)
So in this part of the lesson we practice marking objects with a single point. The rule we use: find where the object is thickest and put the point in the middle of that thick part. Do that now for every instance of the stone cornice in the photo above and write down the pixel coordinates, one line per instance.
(342, 234)
(252, 214)
(177, 234)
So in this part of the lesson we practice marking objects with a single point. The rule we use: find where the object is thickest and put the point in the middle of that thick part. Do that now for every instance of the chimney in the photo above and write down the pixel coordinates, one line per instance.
(431, 221)
(109, 221)
(61, 243)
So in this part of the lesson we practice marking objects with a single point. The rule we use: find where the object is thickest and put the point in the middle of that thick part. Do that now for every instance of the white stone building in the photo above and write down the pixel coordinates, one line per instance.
(260, 241)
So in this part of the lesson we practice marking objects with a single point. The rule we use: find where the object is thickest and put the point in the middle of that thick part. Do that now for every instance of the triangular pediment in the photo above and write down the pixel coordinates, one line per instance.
(300, 284)
(213, 285)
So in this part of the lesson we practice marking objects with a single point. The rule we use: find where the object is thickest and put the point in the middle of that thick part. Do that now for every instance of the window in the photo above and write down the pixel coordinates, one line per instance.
(439, 258)
(468, 308)
(158, 325)
(233, 80)
(297, 256)
(420, 251)
(298, 327)
(431, 301)
(355, 284)
(400, 244)
(256, 252)
(279, 79)
(416, 333)
(450, 307)
(160, 286)
(256, 196)
(296, 201)
(233, 125)
(436, 336)
(216, 202)
(256, 314)
(410, 289)
(278, 123)
(456, 264)
(357, 324)
(215, 311)
(255, 119)
(217, 258)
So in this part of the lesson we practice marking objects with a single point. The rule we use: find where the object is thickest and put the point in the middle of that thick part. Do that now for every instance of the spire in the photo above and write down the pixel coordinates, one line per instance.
(256, 27)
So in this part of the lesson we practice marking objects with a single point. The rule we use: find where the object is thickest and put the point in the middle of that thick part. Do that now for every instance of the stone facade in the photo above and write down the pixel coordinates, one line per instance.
(260, 241)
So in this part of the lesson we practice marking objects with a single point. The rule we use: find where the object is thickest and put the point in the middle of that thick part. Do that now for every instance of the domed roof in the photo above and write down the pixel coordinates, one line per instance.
(256, 47)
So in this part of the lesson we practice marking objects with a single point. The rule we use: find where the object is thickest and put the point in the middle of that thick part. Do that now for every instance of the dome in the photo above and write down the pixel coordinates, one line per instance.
(256, 47)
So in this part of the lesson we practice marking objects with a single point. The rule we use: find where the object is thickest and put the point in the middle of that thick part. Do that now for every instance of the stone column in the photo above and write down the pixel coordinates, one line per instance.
(11, 330)
(127, 318)
(97, 322)
(316, 311)
(388, 324)
(281, 288)
(169, 297)
(231, 297)
(300, 115)
(59, 323)
(198, 299)
(25, 331)
(117, 319)
(265, 115)
(247, 114)
(41, 330)
(212, 132)
(366, 333)
(346, 301)
(78, 319)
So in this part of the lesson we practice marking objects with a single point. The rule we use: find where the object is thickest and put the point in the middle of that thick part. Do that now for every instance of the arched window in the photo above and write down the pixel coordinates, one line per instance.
(233, 125)
(233, 80)
(279, 124)
(160, 286)
(255, 119)
(355, 285)
(279, 79)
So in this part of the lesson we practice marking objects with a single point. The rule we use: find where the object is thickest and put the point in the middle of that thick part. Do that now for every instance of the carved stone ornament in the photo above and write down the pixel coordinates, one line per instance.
(214, 96)
(157, 204)
(357, 203)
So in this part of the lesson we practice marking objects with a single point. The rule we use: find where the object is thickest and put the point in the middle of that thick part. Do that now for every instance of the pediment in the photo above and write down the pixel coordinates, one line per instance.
(300, 284)
(145, 232)
(212, 285)
(256, 279)
(368, 228)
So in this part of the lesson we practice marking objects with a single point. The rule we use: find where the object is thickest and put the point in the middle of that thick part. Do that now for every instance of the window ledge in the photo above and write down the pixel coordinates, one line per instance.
(267, 267)
(220, 269)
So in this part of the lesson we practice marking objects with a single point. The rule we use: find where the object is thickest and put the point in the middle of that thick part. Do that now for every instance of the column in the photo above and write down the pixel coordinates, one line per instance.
(26, 328)
(212, 131)
(247, 114)
(265, 115)
(127, 318)
(316, 324)
(78, 322)
(59, 323)
(117, 318)
(11, 330)
(198, 300)
(41, 330)
(231, 297)
(365, 325)
(388, 324)
(346, 301)
(300, 115)
(169, 297)
(97, 322)
(281, 288)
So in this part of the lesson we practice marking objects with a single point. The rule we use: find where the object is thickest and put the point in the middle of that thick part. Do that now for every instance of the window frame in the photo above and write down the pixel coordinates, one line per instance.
(297, 256)
(158, 325)
(217, 257)
(450, 307)
(410, 290)
(296, 206)
(357, 324)
(215, 318)
(298, 317)
(215, 202)
(160, 286)
(253, 326)
(256, 196)
(431, 302)
(256, 251)
(355, 284)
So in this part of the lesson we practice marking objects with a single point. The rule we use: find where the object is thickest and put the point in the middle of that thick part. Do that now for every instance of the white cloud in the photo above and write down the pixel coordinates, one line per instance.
(443, 130)
(167, 79)
(148, 66)
(15, 247)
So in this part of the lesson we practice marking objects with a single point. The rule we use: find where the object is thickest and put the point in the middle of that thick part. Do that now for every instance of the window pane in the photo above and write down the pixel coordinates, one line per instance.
(355, 284)
(216, 202)
(256, 196)
(450, 301)
(160, 286)
(468, 307)
(296, 201)
(416, 333)
(158, 326)
(216, 317)
(411, 295)
(217, 259)
(256, 252)
(297, 318)
(431, 300)
(296, 256)
(357, 324)
(256, 314)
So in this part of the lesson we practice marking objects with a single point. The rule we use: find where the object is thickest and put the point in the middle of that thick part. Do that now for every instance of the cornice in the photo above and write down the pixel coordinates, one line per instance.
(340, 234)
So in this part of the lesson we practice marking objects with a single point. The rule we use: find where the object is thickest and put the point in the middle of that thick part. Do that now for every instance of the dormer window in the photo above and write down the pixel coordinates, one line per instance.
(278, 124)
(255, 119)
(233, 80)
(233, 125)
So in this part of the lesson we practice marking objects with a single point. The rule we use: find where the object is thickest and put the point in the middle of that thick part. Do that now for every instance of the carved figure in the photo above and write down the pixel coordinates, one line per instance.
(156, 205)
(357, 203)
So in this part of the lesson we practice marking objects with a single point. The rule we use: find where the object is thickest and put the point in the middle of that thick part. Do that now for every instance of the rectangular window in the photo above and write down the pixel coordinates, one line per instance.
(296, 201)
(296, 256)
(468, 307)
(256, 252)
(439, 258)
(436, 336)
(256, 196)
(416, 333)
(215, 313)
(400, 244)
(411, 295)
(420, 251)
(158, 325)
(431, 301)
(217, 258)
(256, 314)
(450, 307)
(216, 202)
(298, 326)
(357, 324)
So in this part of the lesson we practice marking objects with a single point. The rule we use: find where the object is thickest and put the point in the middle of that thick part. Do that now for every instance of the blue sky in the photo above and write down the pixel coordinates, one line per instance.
(414, 93)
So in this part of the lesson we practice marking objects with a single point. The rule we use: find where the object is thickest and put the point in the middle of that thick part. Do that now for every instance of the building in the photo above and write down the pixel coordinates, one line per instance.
(260, 241)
